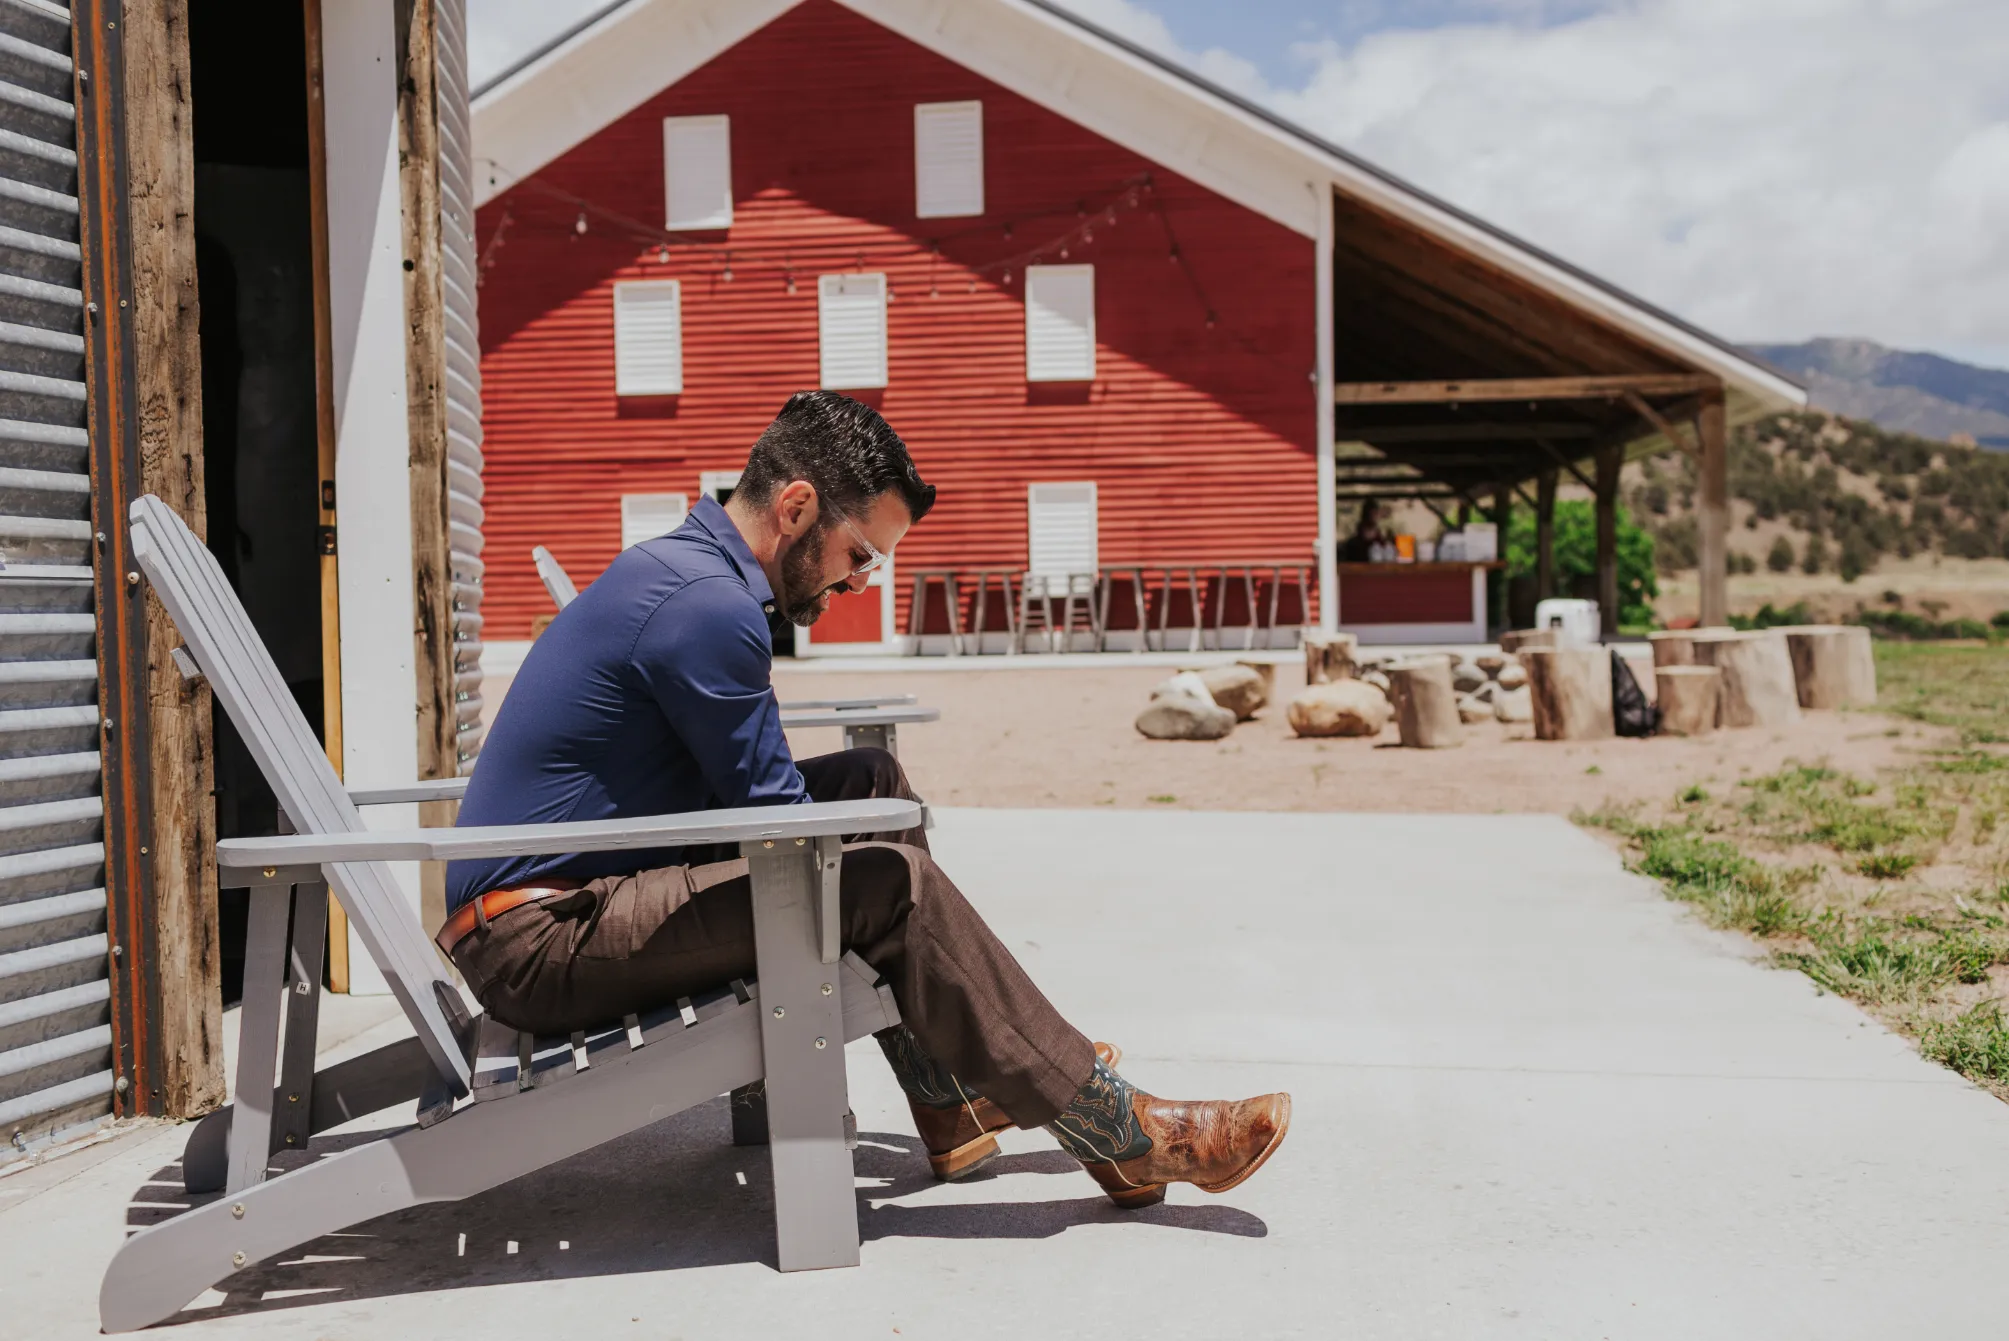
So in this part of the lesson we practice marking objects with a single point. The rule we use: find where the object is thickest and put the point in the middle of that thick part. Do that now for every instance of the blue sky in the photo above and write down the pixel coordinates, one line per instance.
(1770, 169)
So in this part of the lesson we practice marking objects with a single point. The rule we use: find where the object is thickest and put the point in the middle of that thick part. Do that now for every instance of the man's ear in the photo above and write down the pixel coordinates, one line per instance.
(795, 508)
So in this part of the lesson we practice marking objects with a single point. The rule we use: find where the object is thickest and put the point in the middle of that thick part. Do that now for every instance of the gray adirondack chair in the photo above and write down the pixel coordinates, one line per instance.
(491, 1104)
(864, 721)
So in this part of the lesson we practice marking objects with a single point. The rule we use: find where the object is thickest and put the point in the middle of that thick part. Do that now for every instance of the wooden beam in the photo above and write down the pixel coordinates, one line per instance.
(1569, 465)
(1545, 534)
(1464, 432)
(1610, 459)
(1652, 416)
(426, 413)
(1521, 388)
(179, 847)
(1713, 515)
(324, 431)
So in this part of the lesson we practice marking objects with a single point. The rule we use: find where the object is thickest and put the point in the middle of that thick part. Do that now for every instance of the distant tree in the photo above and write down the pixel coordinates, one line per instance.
(1815, 556)
(1781, 557)
(1576, 555)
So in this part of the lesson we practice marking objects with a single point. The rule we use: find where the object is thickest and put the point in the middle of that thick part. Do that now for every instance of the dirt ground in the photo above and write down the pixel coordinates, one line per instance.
(1064, 738)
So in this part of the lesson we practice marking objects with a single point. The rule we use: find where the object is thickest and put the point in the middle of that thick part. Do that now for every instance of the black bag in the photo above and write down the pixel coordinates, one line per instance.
(1631, 714)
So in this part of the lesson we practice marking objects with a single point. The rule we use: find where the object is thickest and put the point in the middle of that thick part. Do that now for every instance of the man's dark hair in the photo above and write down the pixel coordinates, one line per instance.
(842, 447)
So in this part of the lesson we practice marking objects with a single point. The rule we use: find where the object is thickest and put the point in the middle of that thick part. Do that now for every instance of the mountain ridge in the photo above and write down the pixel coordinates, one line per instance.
(1902, 391)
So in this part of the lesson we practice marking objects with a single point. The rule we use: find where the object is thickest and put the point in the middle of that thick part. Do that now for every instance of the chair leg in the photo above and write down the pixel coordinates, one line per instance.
(258, 1035)
(802, 1053)
(291, 1125)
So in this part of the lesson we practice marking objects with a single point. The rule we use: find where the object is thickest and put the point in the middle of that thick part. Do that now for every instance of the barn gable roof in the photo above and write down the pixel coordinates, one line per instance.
(616, 59)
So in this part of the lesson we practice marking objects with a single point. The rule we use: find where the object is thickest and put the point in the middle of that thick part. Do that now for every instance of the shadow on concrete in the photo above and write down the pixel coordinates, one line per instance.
(673, 1196)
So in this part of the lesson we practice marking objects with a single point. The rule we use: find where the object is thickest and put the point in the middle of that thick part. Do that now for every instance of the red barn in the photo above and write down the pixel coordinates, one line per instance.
(1095, 296)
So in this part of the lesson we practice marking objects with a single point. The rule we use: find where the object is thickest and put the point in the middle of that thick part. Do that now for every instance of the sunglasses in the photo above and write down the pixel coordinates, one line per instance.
(873, 558)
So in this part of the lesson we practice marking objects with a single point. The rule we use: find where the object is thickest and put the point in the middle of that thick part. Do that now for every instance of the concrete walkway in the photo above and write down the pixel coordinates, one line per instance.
(1533, 1099)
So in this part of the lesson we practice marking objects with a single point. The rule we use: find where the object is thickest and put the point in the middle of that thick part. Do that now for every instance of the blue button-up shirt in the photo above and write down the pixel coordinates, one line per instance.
(649, 695)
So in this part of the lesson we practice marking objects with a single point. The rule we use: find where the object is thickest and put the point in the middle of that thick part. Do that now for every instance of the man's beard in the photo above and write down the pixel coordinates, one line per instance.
(800, 593)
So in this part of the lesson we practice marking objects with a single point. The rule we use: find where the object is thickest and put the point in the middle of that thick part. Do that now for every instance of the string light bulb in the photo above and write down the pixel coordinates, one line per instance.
(663, 254)
(726, 274)
(579, 224)
(791, 283)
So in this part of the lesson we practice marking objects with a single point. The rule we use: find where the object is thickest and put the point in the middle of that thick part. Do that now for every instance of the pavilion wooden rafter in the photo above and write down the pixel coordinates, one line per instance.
(1466, 384)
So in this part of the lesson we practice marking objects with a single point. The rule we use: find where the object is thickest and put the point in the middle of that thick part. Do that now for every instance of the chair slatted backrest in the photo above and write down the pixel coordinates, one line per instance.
(241, 673)
(557, 582)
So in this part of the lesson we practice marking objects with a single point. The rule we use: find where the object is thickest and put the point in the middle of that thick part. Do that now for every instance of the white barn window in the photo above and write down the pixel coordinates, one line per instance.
(1060, 323)
(648, 338)
(851, 319)
(697, 172)
(1061, 525)
(646, 516)
(948, 159)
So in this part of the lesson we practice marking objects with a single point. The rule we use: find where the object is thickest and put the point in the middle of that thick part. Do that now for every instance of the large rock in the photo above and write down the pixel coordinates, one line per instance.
(1341, 708)
(1513, 705)
(1513, 675)
(1465, 677)
(1472, 708)
(1183, 717)
(1491, 663)
(1186, 684)
(1378, 678)
(1239, 689)
(1485, 692)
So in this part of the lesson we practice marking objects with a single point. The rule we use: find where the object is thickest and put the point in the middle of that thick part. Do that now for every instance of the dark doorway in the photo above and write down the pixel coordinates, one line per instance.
(255, 277)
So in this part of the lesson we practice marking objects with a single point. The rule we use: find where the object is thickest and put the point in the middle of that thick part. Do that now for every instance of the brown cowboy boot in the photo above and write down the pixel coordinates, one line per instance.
(960, 1137)
(1133, 1143)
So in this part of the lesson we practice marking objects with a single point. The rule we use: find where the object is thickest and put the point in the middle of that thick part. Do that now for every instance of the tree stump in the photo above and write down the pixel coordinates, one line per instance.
(1515, 640)
(1329, 656)
(1757, 688)
(1426, 704)
(1832, 665)
(1676, 647)
(1570, 691)
(1687, 696)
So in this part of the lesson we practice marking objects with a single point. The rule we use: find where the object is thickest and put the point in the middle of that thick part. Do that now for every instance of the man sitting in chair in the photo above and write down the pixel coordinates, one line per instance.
(650, 695)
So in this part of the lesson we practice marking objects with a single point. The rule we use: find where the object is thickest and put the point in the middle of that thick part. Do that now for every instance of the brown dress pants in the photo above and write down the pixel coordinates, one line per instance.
(626, 944)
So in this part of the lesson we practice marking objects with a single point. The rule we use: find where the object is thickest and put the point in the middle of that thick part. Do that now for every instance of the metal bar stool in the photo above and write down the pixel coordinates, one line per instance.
(982, 606)
(917, 611)
(1168, 575)
(1106, 586)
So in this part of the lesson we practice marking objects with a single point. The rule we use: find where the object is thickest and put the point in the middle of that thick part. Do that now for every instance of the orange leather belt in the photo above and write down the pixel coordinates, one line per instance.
(484, 908)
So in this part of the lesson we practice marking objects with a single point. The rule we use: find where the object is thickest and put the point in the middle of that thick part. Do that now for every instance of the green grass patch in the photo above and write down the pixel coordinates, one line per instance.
(1877, 963)
(1974, 1043)
(1966, 688)
(1886, 865)
(1727, 887)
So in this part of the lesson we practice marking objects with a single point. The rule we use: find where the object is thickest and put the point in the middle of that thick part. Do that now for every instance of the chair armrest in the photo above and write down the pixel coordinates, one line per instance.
(749, 824)
(859, 716)
(883, 701)
(438, 789)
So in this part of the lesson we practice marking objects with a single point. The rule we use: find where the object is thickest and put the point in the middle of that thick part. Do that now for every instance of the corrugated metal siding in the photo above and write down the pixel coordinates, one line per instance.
(463, 373)
(55, 1022)
(1200, 439)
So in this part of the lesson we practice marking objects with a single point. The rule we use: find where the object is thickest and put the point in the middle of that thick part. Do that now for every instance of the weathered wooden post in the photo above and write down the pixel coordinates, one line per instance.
(1569, 689)
(1426, 704)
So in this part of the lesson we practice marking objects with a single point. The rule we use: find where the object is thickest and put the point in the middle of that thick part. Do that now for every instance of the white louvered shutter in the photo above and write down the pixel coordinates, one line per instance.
(1060, 323)
(948, 159)
(1061, 525)
(697, 172)
(648, 338)
(646, 516)
(852, 326)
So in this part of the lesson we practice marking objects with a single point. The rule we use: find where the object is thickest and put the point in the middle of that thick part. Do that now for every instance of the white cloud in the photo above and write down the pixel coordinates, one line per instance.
(1771, 169)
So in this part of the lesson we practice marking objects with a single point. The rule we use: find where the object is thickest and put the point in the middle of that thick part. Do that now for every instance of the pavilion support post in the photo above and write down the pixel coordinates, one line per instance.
(1609, 461)
(1322, 390)
(1713, 515)
(1496, 580)
(1545, 534)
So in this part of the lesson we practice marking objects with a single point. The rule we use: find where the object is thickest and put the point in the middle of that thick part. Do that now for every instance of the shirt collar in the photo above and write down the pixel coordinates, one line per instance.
(708, 516)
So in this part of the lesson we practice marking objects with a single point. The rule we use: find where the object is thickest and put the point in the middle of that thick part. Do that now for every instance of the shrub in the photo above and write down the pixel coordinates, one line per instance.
(1815, 556)
(1576, 555)
(1780, 559)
